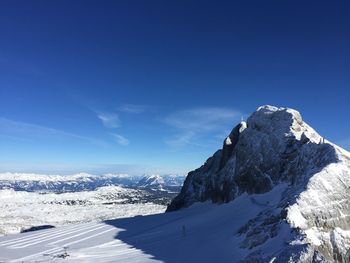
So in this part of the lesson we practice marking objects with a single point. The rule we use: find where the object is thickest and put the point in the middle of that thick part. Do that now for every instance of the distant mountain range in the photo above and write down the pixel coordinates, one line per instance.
(88, 182)
(31, 201)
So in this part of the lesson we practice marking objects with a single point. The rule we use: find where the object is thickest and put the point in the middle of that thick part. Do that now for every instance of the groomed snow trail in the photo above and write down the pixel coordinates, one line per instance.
(202, 233)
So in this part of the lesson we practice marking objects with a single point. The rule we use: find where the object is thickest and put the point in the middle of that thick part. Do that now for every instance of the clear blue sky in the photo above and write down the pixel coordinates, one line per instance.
(154, 86)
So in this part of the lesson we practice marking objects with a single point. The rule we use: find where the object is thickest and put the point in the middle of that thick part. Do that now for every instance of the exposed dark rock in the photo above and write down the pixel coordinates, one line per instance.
(36, 228)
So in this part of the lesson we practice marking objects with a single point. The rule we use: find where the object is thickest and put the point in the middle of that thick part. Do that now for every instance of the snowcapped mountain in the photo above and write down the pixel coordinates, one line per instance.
(171, 183)
(153, 182)
(88, 182)
(276, 147)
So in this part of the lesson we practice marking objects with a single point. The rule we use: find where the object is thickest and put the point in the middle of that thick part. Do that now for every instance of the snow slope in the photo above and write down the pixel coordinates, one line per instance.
(22, 210)
(203, 233)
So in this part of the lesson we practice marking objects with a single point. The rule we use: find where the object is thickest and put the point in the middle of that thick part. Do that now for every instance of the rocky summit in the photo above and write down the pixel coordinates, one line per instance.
(276, 148)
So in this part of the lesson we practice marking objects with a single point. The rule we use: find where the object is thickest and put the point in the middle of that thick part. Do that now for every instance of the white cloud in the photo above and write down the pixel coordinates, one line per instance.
(112, 120)
(109, 120)
(133, 108)
(27, 132)
(120, 139)
(192, 124)
(202, 119)
(180, 140)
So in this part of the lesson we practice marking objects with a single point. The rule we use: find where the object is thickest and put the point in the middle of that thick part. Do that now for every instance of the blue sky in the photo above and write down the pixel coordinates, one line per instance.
(155, 86)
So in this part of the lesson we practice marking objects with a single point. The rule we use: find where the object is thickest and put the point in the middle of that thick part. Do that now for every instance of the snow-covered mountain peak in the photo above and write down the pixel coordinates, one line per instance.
(152, 181)
(277, 147)
(281, 122)
(274, 145)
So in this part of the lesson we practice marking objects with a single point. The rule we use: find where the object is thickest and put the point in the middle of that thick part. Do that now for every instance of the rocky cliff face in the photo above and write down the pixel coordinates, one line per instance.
(276, 147)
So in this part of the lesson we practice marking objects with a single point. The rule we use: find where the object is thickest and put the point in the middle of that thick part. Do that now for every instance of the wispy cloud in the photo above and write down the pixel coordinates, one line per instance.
(180, 140)
(28, 131)
(109, 120)
(192, 124)
(199, 119)
(120, 139)
(133, 108)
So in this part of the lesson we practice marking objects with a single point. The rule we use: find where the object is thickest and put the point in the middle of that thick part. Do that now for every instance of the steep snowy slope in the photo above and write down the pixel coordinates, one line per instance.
(275, 146)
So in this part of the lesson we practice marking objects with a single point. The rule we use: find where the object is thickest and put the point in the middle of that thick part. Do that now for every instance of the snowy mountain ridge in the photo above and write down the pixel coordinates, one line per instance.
(88, 182)
(273, 147)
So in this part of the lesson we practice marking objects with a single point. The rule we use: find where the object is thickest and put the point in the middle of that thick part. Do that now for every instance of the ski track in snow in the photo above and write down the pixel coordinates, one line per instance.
(201, 233)
(47, 244)
(56, 239)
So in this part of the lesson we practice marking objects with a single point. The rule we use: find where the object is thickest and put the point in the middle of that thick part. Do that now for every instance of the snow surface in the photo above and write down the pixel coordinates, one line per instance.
(202, 233)
(21, 210)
